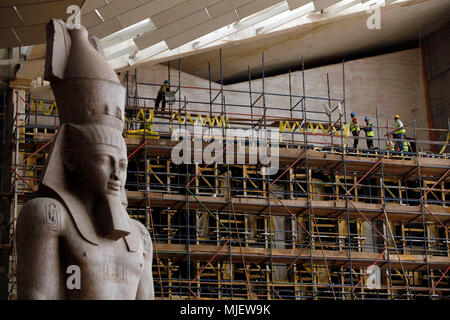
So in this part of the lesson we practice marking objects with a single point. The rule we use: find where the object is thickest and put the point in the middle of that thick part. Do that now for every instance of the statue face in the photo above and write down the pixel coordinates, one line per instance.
(102, 169)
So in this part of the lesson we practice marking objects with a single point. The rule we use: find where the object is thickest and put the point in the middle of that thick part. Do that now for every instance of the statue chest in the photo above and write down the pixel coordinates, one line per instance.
(107, 270)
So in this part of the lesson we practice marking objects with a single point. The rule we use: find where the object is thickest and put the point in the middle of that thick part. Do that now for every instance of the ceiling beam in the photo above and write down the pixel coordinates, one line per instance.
(127, 33)
(292, 15)
(213, 37)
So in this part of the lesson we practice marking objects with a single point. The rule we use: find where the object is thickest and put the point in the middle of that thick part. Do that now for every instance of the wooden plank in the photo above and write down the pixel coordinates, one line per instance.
(322, 208)
(287, 256)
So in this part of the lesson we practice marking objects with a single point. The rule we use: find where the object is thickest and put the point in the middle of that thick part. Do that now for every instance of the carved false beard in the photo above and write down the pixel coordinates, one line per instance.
(111, 217)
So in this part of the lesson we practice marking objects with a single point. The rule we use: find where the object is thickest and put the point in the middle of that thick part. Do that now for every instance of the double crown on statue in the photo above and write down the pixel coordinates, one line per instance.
(86, 88)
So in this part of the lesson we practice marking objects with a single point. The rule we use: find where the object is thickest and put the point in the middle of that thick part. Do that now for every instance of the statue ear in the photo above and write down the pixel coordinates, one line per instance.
(72, 135)
(69, 159)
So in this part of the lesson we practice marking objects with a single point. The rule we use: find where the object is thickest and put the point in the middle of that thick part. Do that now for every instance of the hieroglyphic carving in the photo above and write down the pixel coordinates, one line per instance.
(114, 269)
(53, 216)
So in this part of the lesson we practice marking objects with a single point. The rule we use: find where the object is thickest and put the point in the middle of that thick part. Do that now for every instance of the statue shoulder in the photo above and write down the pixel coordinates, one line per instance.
(144, 234)
(43, 214)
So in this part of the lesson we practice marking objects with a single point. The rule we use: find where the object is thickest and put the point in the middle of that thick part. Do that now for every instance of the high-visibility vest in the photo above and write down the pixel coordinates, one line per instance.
(369, 130)
(405, 146)
(162, 90)
(390, 146)
(399, 124)
(354, 124)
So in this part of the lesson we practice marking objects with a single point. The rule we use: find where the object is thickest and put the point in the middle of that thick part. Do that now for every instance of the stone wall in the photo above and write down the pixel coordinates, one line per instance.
(393, 82)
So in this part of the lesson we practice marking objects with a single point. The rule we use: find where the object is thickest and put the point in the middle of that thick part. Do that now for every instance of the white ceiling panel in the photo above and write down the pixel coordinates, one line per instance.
(201, 30)
(172, 29)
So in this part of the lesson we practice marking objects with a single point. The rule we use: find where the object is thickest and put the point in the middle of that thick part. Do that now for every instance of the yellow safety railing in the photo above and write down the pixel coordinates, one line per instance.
(139, 133)
(446, 143)
(149, 122)
(222, 122)
(36, 106)
(292, 126)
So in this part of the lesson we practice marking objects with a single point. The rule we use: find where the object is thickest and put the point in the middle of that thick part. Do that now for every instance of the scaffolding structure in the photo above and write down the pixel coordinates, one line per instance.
(314, 230)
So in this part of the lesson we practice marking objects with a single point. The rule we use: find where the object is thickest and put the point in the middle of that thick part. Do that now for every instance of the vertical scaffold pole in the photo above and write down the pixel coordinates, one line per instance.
(308, 197)
(223, 112)
(210, 89)
(425, 236)
(383, 201)
(179, 87)
(330, 123)
(250, 92)
(345, 181)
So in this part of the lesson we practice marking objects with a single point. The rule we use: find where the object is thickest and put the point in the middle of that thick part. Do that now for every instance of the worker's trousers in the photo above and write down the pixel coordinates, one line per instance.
(369, 143)
(355, 140)
(400, 141)
(159, 98)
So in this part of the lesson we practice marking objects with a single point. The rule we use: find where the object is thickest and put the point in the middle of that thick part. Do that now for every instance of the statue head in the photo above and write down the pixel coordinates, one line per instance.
(96, 158)
(89, 156)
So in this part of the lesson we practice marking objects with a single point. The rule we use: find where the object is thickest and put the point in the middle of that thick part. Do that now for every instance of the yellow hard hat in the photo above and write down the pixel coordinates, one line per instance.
(396, 116)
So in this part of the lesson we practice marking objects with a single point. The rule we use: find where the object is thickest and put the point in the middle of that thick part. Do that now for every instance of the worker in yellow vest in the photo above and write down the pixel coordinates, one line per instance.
(399, 133)
(406, 147)
(369, 133)
(389, 144)
(162, 95)
(354, 128)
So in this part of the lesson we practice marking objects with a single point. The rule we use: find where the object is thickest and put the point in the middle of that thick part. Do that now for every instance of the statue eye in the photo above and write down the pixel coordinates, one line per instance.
(101, 160)
(123, 165)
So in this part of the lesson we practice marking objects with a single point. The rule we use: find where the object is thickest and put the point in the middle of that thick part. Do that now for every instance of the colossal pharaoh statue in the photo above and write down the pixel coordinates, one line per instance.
(76, 240)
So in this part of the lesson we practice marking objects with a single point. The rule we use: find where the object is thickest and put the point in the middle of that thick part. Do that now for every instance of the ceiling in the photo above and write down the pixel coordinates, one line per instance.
(322, 42)
(133, 32)
(22, 22)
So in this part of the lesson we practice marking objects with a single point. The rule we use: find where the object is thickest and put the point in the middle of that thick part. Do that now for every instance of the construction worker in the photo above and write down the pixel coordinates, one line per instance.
(389, 144)
(411, 144)
(406, 147)
(354, 128)
(369, 133)
(162, 95)
(398, 134)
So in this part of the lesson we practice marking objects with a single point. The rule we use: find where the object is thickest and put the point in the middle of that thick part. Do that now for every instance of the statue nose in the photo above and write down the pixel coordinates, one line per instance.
(114, 176)
(114, 173)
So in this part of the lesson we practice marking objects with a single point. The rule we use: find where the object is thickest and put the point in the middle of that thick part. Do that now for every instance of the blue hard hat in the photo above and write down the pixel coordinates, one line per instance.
(167, 81)
(367, 118)
(352, 114)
